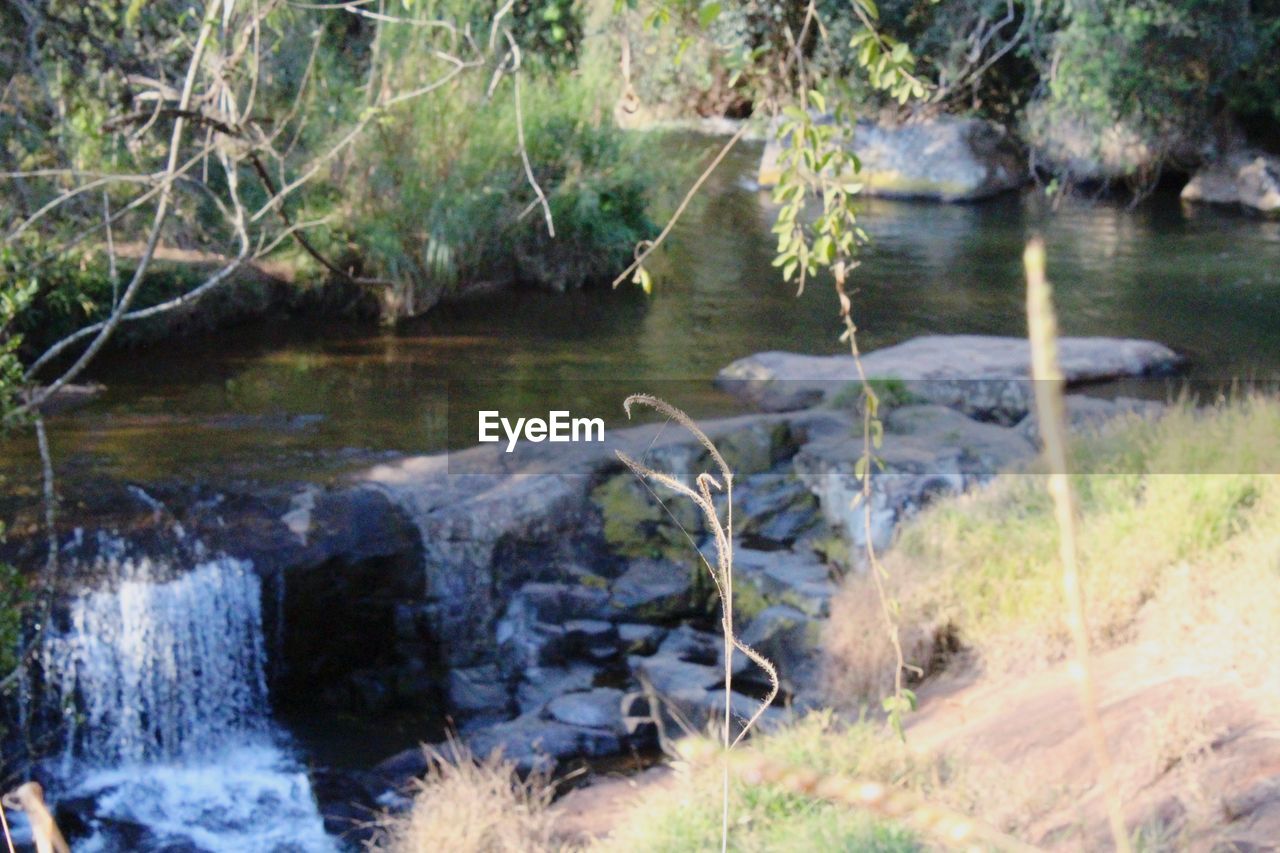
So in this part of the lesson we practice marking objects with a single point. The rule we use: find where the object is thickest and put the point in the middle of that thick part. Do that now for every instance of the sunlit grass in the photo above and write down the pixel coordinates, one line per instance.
(1194, 488)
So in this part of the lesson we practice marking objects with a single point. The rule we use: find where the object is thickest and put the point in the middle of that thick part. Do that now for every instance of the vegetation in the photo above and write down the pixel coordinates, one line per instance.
(465, 806)
(1176, 515)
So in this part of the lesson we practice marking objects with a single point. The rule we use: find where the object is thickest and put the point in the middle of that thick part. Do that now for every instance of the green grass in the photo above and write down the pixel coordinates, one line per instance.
(686, 816)
(1194, 488)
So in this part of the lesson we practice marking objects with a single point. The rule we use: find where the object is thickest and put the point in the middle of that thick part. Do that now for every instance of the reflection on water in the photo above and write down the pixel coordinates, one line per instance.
(260, 400)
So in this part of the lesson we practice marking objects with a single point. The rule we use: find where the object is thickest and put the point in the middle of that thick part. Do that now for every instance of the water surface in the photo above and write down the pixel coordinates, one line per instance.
(308, 400)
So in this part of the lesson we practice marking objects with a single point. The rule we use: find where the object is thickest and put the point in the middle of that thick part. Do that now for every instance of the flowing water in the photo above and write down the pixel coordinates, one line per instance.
(159, 677)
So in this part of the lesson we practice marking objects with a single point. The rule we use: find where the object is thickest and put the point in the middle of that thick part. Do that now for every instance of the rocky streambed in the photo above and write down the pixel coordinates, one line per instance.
(549, 605)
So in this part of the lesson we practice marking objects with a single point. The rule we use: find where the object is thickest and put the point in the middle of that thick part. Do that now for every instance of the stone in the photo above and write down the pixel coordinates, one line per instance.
(652, 591)
(636, 525)
(1089, 414)
(775, 508)
(598, 708)
(667, 674)
(1090, 151)
(1243, 177)
(928, 451)
(981, 375)
(946, 158)
(693, 646)
(479, 690)
(639, 638)
(534, 744)
(790, 640)
(539, 685)
(797, 579)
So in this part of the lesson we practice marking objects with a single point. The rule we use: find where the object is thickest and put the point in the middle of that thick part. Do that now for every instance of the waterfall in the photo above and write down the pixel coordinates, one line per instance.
(156, 669)
(158, 677)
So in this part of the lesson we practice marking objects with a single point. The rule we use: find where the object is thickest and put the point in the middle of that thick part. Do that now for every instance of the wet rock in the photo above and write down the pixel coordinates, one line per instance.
(599, 708)
(1244, 177)
(981, 375)
(946, 158)
(653, 591)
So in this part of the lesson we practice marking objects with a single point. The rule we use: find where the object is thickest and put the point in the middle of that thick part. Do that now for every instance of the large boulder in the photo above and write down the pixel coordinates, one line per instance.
(946, 158)
(1246, 178)
(986, 376)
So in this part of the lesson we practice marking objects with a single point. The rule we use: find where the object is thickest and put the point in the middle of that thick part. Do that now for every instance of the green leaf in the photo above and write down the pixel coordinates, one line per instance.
(131, 14)
(708, 14)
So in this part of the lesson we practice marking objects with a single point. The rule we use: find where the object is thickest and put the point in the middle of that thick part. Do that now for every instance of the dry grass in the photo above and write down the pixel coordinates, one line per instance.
(466, 806)
(1180, 534)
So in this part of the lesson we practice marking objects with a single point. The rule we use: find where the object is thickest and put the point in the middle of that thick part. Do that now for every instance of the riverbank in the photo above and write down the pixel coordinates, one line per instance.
(1178, 518)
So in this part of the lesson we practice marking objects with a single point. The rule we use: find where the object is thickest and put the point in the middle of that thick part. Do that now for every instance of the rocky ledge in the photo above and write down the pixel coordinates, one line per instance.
(573, 614)
(984, 376)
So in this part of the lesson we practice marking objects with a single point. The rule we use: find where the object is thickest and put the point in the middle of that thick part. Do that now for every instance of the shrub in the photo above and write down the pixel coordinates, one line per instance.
(444, 197)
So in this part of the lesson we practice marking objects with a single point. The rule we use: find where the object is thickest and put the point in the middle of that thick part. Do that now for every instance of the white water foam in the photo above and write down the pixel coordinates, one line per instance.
(161, 680)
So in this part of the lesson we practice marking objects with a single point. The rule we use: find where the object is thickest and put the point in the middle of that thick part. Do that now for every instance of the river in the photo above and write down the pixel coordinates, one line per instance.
(270, 400)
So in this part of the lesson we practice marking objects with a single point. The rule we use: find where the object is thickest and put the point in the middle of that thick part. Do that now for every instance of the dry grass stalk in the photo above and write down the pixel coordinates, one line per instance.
(721, 572)
(1051, 408)
(467, 806)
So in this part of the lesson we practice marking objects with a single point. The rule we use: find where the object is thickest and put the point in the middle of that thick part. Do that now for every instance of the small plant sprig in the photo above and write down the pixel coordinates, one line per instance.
(721, 572)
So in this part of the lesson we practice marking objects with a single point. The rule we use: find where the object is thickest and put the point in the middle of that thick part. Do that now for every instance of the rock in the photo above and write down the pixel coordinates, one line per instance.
(790, 640)
(558, 603)
(479, 690)
(70, 397)
(928, 451)
(693, 646)
(540, 685)
(1085, 414)
(1090, 152)
(775, 508)
(534, 744)
(640, 639)
(667, 674)
(1244, 177)
(587, 634)
(782, 577)
(599, 708)
(982, 375)
(652, 591)
(945, 159)
(637, 525)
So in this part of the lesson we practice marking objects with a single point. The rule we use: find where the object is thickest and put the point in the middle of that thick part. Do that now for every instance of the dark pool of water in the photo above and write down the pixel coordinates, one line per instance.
(266, 400)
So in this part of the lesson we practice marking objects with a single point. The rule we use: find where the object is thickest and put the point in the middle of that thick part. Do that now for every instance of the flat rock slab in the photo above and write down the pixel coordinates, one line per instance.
(982, 375)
